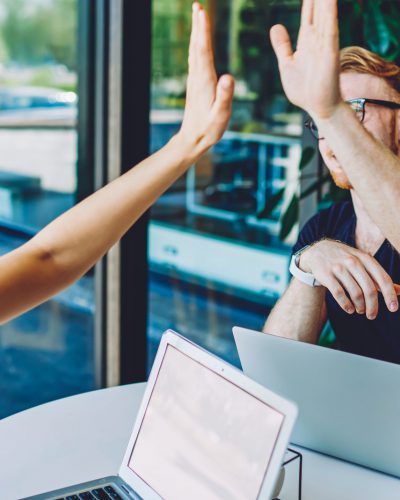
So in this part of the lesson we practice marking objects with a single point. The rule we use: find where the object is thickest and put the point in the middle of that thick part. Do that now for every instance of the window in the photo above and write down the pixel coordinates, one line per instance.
(48, 352)
(215, 262)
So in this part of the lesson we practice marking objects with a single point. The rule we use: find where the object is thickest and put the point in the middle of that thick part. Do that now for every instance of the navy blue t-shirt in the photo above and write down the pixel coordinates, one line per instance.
(378, 338)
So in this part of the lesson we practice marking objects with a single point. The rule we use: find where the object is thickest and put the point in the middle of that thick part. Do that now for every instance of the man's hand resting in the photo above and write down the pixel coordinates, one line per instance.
(353, 277)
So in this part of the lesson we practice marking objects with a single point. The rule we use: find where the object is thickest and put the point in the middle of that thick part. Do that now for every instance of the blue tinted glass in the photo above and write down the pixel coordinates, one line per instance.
(47, 353)
(215, 256)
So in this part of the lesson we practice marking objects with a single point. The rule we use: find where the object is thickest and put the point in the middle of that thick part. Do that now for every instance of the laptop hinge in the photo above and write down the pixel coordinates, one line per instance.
(129, 492)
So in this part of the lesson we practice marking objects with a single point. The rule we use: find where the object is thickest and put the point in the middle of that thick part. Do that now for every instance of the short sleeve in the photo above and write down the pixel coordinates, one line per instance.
(310, 233)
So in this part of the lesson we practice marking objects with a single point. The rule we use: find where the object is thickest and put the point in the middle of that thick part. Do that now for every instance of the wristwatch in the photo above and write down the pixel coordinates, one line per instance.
(306, 278)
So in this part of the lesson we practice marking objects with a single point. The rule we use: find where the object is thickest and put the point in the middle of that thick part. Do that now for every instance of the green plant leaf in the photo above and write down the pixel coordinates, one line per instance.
(392, 22)
(290, 217)
(315, 186)
(306, 156)
(351, 23)
(376, 30)
(271, 204)
(327, 337)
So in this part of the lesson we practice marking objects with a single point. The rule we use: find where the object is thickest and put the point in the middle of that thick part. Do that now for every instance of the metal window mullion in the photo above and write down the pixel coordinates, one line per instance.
(100, 92)
(114, 170)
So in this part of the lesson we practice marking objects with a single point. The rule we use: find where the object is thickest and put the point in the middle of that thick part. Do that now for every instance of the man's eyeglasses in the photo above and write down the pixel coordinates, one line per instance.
(358, 106)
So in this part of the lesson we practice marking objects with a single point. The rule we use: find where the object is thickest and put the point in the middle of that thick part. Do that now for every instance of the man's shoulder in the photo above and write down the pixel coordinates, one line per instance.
(335, 215)
(331, 222)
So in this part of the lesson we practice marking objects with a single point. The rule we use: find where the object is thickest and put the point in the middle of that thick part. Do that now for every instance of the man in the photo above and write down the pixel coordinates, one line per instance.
(352, 248)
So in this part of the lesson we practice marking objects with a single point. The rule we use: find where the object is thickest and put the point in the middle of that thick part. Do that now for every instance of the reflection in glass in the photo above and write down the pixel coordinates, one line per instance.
(214, 261)
(46, 353)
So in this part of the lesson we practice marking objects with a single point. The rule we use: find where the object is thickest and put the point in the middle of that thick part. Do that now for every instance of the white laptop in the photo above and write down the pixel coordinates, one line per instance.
(349, 405)
(203, 431)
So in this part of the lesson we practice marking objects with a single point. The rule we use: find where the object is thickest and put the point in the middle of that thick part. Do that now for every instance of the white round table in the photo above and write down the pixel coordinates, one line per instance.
(84, 437)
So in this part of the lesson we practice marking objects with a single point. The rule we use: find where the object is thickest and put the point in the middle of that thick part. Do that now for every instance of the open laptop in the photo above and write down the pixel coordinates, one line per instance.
(203, 431)
(349, 405)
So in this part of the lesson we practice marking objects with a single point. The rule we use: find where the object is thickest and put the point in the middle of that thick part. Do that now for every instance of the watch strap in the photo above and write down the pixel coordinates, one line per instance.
(294, 269)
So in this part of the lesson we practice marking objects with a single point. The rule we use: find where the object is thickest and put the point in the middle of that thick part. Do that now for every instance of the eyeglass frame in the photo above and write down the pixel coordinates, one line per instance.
(309, 123)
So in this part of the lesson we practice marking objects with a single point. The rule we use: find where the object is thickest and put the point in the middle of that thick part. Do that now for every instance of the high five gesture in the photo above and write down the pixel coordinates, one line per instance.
(309, 74)
(69, 246)
(208, 101)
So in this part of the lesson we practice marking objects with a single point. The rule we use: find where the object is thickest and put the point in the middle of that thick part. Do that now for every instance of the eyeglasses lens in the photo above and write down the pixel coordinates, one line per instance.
(314, 129)
(358, 108)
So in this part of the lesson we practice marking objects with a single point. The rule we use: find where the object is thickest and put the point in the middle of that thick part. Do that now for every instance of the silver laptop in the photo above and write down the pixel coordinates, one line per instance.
(349, 405)
(203, 431)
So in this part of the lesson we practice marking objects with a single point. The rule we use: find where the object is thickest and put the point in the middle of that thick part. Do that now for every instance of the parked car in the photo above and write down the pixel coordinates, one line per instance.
(37, 106)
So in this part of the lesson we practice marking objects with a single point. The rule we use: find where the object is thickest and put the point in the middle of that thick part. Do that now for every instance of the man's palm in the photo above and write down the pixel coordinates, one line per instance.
(310, 74)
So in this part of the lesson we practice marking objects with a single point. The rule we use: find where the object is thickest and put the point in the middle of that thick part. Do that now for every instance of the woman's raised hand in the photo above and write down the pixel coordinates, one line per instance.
(208, 100)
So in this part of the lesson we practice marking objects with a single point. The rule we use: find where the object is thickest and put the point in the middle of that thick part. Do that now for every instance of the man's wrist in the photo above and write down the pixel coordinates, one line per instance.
(303, 261)
(339, 114)
(305, 277)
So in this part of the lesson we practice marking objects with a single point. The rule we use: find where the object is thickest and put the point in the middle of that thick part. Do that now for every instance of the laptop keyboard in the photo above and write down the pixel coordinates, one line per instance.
(106, 493)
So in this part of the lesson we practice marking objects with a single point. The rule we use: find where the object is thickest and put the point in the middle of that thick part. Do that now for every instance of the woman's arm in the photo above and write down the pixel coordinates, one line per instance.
(70, 245)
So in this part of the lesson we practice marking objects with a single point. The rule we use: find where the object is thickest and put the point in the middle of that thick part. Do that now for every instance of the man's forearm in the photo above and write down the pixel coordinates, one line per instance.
(300, 313)
(373, 170)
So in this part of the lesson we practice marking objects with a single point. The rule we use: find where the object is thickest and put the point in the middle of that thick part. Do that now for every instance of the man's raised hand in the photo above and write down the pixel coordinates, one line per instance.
(310, 75)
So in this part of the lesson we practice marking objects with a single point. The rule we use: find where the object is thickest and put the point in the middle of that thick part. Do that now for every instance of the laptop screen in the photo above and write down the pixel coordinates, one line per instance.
(202, 436)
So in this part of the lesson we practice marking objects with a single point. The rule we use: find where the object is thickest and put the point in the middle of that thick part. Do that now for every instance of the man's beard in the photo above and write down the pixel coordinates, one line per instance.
(394, 147)
(339, 183)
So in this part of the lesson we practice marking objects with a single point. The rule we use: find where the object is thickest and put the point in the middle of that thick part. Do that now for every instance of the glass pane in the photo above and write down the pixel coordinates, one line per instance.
(46, 353)
(216, 261)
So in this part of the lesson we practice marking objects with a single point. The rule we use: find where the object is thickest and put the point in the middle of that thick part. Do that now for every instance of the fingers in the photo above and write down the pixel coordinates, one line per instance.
(353, 277)
(223, 105)
(353, 289)
(383, 281)
(338, 293)
(326, 22)
(225, 89)
(281, 43)
(329, 16)
(361, 277)
(194, 32)
(369, 290)
(205, 51)
(201, 57)
(205, 31)
(307, 13)
(208, 102)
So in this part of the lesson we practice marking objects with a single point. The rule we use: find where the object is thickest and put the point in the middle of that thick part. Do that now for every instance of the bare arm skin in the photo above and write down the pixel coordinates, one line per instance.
(361, 154)
(300, 314)
(64, 250)
(353, 277)
(310, 78)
